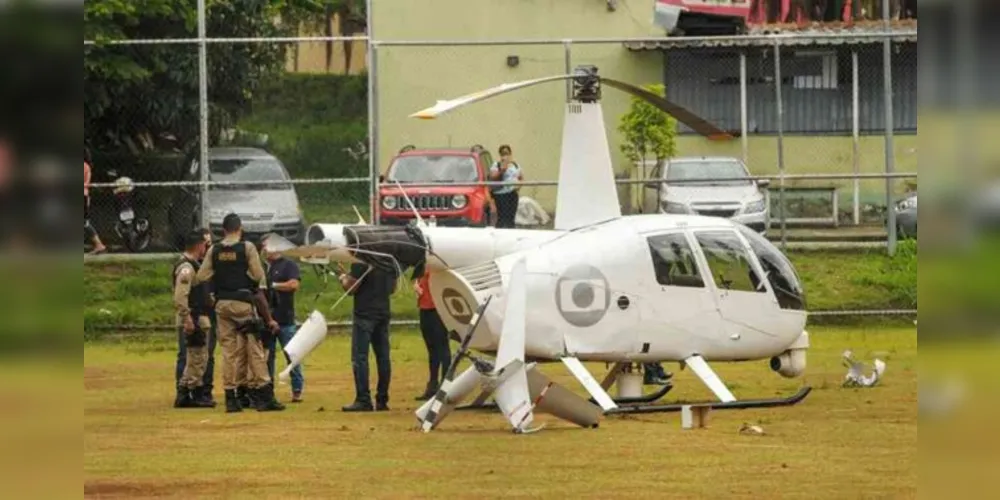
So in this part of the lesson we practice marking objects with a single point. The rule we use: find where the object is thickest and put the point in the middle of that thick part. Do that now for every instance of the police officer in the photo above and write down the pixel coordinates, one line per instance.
(234, 268)
(192, 304)
(209, 378)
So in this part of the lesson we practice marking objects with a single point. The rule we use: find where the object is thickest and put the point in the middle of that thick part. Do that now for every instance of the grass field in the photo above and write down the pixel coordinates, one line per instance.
(837, 443)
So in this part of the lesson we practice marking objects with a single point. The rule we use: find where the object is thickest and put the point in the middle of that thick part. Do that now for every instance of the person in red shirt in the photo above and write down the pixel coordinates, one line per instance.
(87, 227)
(435, 338)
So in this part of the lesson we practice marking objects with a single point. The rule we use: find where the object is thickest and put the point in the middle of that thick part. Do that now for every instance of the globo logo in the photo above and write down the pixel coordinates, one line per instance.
(582, 295)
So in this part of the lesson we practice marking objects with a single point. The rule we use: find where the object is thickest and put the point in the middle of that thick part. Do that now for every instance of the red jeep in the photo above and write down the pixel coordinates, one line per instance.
(447, 205)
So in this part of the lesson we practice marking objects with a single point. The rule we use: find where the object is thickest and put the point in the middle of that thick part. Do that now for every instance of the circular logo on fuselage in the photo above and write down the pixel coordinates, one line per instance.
(456, 305)
(582, 295)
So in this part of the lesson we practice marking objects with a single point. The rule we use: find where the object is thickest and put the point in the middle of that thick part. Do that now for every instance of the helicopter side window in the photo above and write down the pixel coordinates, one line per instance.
(673, 261)
(728, 261)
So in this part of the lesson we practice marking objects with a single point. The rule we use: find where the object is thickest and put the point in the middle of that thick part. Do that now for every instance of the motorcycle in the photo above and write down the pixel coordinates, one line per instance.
(134, 232)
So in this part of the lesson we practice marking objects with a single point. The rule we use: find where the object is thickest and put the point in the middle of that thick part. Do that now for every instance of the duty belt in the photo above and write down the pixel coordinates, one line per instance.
(237, 295)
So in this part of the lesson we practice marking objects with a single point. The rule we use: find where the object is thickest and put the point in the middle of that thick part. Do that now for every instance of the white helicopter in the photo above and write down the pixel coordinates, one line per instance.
(599, 287)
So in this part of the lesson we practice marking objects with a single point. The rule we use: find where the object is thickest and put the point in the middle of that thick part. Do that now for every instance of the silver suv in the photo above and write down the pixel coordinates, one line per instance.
(737, 197)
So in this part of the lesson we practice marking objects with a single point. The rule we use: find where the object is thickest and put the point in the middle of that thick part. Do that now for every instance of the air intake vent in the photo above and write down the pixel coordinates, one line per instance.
(482, 277)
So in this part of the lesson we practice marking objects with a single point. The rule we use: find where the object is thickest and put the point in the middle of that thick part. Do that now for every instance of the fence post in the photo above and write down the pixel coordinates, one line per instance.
(568, 54)
(890, 157)
(781, 145)
(204, 216)
(856, 133)
(373, 142)
(743, 107)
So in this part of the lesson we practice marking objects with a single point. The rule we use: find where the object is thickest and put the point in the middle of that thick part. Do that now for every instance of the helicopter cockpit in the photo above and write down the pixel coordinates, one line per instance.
(728, 264)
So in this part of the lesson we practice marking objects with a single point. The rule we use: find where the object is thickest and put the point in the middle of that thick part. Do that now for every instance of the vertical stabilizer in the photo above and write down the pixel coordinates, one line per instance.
(586, 192)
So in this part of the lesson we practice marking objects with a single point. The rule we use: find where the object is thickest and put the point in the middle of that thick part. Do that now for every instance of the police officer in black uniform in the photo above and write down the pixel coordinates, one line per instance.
(235, 270)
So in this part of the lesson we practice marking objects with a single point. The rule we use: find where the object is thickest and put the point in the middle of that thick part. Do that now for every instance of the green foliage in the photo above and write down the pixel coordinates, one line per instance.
(647, 130)
(145, 97)
(312, 121)
(896, 276)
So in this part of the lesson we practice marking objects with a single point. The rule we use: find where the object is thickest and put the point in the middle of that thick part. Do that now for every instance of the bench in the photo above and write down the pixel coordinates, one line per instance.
(797, 212)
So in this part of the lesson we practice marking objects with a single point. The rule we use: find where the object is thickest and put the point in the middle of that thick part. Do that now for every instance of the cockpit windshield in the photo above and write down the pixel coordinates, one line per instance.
(780, 273)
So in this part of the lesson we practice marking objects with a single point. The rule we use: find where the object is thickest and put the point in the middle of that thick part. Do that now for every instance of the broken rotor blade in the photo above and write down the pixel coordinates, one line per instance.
(445, 106)
(697, 123)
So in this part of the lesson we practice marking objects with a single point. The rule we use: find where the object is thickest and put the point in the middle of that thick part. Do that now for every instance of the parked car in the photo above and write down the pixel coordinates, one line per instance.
(448, 205)
(739, 198)
(906, 216)
(263, 208)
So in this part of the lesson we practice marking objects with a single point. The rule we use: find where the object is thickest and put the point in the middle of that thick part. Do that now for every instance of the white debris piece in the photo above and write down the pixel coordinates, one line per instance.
(855, 376)
(530, 213)
(753, 430)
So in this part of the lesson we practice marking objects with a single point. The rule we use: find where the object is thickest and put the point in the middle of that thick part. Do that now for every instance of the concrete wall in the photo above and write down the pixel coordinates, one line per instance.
(413, 78)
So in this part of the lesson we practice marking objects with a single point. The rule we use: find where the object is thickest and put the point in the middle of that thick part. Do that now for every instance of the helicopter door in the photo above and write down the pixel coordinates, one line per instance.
(745, 303)
(683, 306)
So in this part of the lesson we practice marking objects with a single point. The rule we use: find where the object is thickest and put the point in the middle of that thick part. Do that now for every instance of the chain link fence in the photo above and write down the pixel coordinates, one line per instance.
(299, 129)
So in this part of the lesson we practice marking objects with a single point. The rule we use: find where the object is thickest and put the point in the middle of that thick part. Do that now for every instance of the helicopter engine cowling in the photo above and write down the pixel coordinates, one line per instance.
(792, 362)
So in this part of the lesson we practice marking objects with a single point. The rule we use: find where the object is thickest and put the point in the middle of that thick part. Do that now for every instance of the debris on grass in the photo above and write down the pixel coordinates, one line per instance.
(751, 430)
(855, 377)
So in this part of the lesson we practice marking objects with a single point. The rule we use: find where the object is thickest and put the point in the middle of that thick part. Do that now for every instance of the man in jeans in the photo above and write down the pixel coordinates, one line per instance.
(371, 288)
(282, 283)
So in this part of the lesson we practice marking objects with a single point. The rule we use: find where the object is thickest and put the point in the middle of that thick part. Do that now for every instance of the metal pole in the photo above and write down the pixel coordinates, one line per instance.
(743, 107)
(205, 217)
(889, 149)
(856, 130)
(568, 54)
(373, 143)
(781, 145)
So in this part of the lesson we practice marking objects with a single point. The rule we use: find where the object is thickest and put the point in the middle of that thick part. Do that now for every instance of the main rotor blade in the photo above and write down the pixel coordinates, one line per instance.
(697, 123)
(443, 107)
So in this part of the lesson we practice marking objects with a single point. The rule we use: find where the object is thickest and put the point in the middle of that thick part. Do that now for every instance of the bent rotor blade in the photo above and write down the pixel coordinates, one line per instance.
(443, 107)
(464, 346)
(431, 413)
(697, 123)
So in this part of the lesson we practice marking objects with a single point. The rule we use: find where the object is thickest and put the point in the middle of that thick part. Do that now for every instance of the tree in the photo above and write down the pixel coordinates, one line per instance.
(140, 98)
(647, 131)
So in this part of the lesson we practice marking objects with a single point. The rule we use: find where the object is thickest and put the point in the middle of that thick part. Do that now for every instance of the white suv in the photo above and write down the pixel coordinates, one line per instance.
(734, 196)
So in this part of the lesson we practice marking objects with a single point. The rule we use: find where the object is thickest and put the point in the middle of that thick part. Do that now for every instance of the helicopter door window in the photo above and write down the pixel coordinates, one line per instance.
(729, 262)
(673, 261)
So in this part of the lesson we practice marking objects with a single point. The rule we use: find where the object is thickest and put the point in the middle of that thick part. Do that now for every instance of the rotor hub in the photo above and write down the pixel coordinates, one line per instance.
(586, 84)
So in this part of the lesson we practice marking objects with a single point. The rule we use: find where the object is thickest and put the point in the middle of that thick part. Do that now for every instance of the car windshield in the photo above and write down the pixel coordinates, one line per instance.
(703, 172)
(249, 169)
(410, 169)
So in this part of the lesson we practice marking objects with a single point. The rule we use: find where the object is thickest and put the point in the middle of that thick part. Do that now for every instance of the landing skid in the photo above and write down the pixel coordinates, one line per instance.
(645, 399)
(637, 407)
(733, 405)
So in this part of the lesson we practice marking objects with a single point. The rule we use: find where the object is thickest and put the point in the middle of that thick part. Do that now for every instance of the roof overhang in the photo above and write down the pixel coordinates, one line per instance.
(796, 38)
